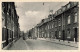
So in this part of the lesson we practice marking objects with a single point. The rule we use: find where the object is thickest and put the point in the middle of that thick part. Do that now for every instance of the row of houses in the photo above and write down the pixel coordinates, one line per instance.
(10, 25)
(32, 33)
(62, 25)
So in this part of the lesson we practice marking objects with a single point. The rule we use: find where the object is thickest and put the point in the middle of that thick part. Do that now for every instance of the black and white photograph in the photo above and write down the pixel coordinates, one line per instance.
(40, 25)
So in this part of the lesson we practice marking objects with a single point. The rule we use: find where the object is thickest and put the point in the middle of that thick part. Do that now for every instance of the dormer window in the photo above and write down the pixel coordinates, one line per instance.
(59, 11)
(68, 6)
(75, 3)
(63, 9)
(55, 13)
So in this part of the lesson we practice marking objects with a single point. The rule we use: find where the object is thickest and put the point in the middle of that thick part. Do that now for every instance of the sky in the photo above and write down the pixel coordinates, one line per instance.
(31, 13)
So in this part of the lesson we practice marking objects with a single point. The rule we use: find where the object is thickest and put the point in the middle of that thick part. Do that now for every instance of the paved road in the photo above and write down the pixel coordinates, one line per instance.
(46, 45)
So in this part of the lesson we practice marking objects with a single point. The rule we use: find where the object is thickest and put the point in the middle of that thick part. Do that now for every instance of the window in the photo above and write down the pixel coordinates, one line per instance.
(48, 34)
(48, 26)
(69, 19)
(59, 33)
(52, 25)
(63, 9)
(75, 18)
(50, 18)
(68, 6)
(59, 11)
(45, 28)
(3, 8)
(3, 21)
(75, 3)
(68, 33)
(63, 21)
(59, 22)
(13, 13)
(56, 13)
(55, 23)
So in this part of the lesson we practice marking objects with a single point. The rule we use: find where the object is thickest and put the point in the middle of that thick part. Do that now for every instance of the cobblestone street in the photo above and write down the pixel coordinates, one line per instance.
(38, 44)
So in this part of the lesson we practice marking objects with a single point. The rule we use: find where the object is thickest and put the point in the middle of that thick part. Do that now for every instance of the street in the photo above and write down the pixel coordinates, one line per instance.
(40, 25)
(38, 44)
(46, 45)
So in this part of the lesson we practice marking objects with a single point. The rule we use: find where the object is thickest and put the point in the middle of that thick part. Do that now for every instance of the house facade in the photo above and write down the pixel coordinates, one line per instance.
(62, 25)
(10, 25)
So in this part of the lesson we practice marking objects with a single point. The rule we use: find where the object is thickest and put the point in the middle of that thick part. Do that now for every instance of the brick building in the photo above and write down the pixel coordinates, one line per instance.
(10, 25)
(62, 25)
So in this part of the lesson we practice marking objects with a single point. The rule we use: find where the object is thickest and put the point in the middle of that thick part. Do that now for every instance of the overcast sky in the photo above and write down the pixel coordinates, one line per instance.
(31, 13)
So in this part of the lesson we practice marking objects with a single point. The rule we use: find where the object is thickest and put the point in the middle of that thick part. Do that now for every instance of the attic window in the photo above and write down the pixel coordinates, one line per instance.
(68, 6)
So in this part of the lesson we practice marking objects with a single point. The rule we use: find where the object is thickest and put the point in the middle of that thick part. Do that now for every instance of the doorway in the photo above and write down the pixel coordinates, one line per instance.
(63, 35)
(75, 34)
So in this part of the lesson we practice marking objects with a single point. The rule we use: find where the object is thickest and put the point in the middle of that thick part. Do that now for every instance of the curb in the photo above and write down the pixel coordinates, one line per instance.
(8, 46)
(63, 44)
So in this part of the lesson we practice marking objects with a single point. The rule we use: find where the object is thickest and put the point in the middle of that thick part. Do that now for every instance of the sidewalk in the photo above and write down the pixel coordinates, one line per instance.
(19, 45)
(72, 44)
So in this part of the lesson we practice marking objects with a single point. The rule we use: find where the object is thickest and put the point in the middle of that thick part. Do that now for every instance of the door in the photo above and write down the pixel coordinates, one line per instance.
(7, 37)
(63, 35)
(75, 34)
(55, 34)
